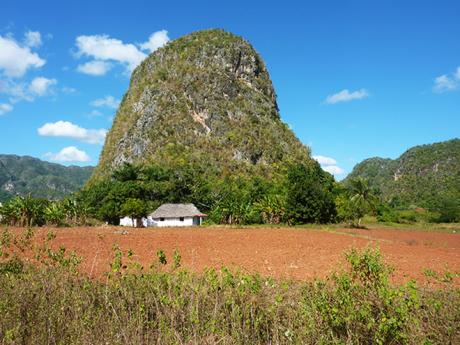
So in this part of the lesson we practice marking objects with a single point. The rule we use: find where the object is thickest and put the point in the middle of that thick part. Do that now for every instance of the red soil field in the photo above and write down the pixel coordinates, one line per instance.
(301, 254)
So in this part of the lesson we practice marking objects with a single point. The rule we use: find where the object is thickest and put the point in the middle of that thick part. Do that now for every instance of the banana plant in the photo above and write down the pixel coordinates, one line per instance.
(55, 214)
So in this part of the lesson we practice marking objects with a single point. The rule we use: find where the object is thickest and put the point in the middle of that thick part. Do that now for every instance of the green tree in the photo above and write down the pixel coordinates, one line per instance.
(362, 199)
(127, 172)
(310, 197)
(135, 209)
(109, 212)
(448, 209)
(103, 200)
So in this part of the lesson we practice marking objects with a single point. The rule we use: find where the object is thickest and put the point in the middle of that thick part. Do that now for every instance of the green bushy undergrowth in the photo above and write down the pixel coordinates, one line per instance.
(51, 303)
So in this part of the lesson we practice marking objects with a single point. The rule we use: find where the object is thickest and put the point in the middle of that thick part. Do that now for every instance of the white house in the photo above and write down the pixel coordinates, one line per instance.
(169, 215)
(128, 221)
(175, 215)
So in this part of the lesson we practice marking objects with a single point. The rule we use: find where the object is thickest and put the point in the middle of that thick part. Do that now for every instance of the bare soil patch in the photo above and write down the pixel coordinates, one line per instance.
(301, 254)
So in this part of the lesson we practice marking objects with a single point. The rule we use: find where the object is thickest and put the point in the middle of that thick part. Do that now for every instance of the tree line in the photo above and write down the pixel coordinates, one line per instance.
(301, 194)
(30, 211)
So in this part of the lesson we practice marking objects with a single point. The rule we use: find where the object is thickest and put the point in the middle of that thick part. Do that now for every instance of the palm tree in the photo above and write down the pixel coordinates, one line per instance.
(361, 197)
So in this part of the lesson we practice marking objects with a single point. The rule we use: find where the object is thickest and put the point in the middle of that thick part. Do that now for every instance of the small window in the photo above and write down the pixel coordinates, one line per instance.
(181, 219)
(162, 219)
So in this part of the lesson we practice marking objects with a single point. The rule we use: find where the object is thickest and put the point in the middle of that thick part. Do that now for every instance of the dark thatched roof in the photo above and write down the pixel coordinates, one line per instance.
(176, 211)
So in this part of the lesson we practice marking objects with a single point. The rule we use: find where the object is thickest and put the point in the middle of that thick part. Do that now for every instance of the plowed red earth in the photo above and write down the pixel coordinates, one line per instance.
(301, 254)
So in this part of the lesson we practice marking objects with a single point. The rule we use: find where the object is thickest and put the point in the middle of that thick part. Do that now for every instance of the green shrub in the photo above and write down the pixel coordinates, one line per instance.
(387, 214)
(50, 303)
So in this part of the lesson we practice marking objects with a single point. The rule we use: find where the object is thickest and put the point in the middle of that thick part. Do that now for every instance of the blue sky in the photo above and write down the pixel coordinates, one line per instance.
(355, 79)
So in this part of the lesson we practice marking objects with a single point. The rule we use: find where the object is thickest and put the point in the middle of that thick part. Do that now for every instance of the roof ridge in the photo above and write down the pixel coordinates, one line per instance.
(175, 210)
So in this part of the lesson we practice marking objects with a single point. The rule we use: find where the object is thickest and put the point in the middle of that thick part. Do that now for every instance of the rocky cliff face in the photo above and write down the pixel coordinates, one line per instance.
(206, 97)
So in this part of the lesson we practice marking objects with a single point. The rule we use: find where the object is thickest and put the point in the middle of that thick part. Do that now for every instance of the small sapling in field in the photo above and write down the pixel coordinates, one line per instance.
(176, 259)
(162, 257)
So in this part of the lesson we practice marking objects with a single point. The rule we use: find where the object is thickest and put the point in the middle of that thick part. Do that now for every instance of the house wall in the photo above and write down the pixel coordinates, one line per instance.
(188, 221)
(149, 221)
(127, 221)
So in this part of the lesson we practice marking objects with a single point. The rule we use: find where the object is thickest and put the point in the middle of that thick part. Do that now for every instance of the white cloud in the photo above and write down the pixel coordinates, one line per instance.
(104, 48)
(16, 60)
(323, 160)
(68, 90)
(95, 113)
(33, 39)
(22, 91)
(68, 154)
(447, 82)
(333, 169)
(70, 130)
(95, 67)
(346, 96)
(5, 108)
(40, 86)
(156, 40)
(444, 83)
(107, 101)
(328, 164)
(17, 91)
(457, 74)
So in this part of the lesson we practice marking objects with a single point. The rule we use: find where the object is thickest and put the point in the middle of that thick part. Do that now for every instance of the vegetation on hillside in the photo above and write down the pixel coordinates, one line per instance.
(21, 176)
(50, 302)
(206, 100)
(426, 176)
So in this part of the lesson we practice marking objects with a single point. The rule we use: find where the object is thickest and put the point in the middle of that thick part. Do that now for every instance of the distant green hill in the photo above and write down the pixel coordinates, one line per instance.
(21, 175)
(423, 175)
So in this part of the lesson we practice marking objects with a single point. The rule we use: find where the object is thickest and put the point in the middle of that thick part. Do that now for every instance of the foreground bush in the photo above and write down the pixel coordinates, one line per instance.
(52, 304)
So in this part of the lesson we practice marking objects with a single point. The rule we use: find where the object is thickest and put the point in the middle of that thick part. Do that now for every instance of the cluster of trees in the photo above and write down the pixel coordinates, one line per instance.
(303, 193)
(358, 199)
(29, 211)
(445, 210)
